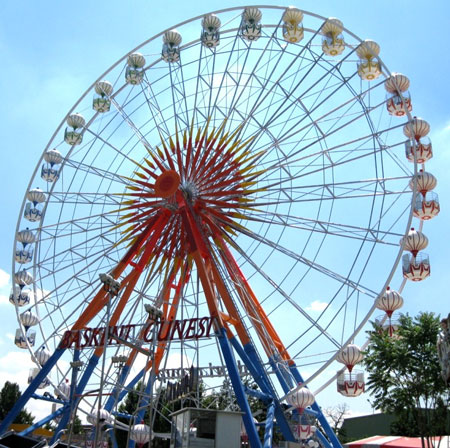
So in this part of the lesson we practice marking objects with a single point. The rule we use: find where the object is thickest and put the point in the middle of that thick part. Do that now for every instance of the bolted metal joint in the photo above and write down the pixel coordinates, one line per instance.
(76, 364)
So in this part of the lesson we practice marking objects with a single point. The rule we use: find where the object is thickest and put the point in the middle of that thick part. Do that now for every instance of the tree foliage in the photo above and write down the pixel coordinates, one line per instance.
(77, 426)
(404, 377)
(9, 394)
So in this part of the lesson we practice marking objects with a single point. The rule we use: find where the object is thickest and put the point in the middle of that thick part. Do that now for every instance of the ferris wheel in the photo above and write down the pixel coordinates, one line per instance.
(229, 201)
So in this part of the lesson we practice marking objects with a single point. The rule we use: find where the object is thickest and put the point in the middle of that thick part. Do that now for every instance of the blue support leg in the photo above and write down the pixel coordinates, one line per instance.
(51, 399)
(280, 377)
(42, 422)
(115, 394)
(268, 432)
(322, 439)
(252, 356)
(265, 398)
(127, 388)
(320, 417)
(117, 397)
(283, 374)
(144, 401)
(92, 364)
(22, 401)
(238, 389)
(62, 424)
(258, 376)
(286, 383)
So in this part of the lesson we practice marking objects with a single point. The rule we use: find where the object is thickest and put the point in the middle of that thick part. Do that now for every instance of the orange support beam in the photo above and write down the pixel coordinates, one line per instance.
(204, 266)
(229, 305)
(102, 297)
(197, 245)
(254, 317)
(121, 305)
(168, 318)
(250, 296)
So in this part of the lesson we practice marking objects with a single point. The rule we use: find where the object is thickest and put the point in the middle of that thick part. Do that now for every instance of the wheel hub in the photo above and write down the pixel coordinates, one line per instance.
(212, 173)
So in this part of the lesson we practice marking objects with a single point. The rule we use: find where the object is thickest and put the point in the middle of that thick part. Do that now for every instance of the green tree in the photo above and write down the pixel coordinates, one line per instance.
(9, 394)
(77, 426)
(404, 377)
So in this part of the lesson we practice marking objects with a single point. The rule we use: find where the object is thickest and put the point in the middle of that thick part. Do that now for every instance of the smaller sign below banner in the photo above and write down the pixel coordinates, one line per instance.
(209, 371)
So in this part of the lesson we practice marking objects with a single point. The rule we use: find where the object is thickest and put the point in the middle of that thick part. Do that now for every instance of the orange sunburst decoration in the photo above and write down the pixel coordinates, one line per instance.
(213, 174)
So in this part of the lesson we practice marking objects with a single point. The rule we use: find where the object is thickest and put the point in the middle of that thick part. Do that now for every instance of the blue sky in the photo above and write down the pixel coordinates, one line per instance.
(53, 51)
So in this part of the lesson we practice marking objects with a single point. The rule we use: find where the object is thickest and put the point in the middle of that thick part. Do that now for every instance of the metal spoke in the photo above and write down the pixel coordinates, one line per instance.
(346, 281)
(330, 228)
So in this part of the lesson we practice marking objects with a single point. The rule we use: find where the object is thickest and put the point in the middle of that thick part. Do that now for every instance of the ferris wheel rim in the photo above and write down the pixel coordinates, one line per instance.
(96, 114)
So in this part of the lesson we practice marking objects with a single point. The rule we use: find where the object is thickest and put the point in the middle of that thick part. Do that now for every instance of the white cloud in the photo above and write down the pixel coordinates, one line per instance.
(317, 305)
(15, 367)
(4, 300)
(4, 278)
(175, 360)
(10, 336)
(39, 409)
